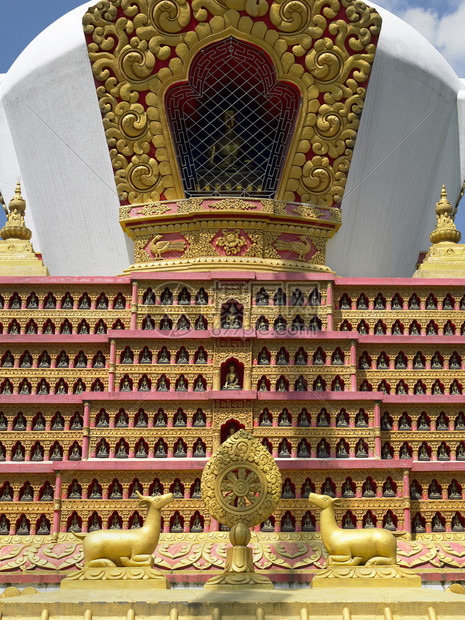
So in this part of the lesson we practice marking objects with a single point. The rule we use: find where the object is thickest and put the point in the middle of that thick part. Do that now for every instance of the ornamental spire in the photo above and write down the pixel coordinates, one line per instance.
(445, 227)
(15, 227)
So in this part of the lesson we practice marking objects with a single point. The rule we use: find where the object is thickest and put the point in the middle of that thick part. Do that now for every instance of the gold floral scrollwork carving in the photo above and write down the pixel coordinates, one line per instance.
(232, 241)
(138, 49)
(154, 209)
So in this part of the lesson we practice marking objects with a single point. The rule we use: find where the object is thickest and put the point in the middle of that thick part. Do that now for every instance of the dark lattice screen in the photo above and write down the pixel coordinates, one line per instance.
(232, 122)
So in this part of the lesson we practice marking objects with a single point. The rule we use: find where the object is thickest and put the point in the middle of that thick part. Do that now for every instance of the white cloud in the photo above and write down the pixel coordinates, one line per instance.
(444, 28)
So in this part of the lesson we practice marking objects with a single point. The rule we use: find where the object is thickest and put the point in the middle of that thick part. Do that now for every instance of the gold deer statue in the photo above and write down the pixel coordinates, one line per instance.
(127, 547)
(373, 547)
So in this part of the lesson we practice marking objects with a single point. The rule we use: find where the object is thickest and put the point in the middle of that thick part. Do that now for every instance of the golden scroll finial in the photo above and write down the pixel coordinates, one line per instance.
(445, 227)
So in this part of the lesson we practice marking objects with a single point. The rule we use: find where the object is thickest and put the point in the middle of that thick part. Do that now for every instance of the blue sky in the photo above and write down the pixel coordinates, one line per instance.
(441, 21)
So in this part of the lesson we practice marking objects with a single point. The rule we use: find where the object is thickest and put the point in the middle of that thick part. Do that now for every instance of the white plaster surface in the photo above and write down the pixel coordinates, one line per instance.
(411, 140)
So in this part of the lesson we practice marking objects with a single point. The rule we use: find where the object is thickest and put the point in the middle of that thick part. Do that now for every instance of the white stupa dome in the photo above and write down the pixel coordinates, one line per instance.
(411, 140)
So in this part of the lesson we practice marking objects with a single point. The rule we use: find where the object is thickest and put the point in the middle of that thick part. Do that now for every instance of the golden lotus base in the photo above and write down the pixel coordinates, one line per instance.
(121, 578)
(337, 603)
(239, 580)
(366, 577)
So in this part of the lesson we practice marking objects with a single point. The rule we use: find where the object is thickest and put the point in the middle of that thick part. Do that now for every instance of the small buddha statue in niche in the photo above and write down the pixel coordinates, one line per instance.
(437, 525)
(368, 521)
(404, 422)
(262, 385)
(225, 152)
(266, 418)
(389, 523)
(263, 358)
(281, 357)
(142, 420)
(456, 523)
(4, 526)
(300, 384)
(56, 453)
(176, 526)
(307, 488)
(388, 490)
(28, 494)
(319, 386)
(136, 522)
(99, 360)
(304, 418)
(196, 490)
(341, 419)
(232, 379)
(262, 324)
(262, 298)
(368, 490)
(460, 421)
(177, 489)
(436, 361)
(45, 360)
(360, 419)
(50, 303)
(322, 450)
(95, 523)
(136, 487)
(418, 363)
(423, 453)
(39, 424)
(431, 329)
(281, 385)
(26, 362)
(121, 452)
(199, 385)
(199, 450)
(197, 524)
(115, 524)
(318, 358)
(283, 452)
(102, 452)
(165, 323)
(201, 299)
(423, 424)
(3, 422)
(284, 419)
(163, 356)
(382, 362)
(328, 488)
(347, 523)
(442, 453)
(404, 452)
(183, 323)
(7, 493)
(127, 357)
(322, 419)
(179, 450)
(386, 423)
(75, 491)
(302, 450)
(415, 493)
(386, 452)
(267, 526)
(95, 492)
(454, 491)
(232, 319)
(20, 423)
(162, 385)
(61, 387)
(287, 492)
(23, 527)
(347, 490)
(160, 450)
(157, 489)
(337, 358)
(81, 361)
(37, 454)
(434, 491)
(18, 454)
(141, 452)
(43, 528)
(201, 357)
(460, 454)
(454, 362)
(287, 525)
(9, 361)
(300, 358)
(454, 388)
(181, 385)
(341, 451)
(116, 491)
(307, 523)
(198, 418)
(179, 419)
(144, 385)
(183, 356)
(361, 450)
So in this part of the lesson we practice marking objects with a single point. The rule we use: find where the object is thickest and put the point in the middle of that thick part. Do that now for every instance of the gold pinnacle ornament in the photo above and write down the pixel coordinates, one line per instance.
(241, 487)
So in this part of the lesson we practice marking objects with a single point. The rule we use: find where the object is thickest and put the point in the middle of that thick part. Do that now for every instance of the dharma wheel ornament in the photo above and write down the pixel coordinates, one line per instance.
(241, 487)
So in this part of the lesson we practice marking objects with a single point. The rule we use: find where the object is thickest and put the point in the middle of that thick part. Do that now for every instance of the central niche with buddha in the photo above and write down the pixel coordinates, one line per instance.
(232, 122)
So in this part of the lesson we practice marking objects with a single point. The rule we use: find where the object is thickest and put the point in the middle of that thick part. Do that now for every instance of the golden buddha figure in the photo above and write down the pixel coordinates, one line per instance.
(225, 152)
